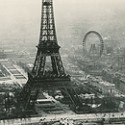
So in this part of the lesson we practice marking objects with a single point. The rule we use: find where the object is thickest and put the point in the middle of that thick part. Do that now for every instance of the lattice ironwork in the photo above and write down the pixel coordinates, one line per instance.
(40, 76)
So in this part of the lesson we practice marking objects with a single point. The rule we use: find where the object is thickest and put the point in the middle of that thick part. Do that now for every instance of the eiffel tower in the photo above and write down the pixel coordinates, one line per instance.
(41, 76)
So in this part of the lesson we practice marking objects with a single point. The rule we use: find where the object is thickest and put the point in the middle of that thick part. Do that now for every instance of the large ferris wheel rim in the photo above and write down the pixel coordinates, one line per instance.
(100, 38)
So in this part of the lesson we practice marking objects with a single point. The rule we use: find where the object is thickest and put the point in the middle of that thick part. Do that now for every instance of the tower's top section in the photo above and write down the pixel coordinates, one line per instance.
(47, 32)
(47, 2)
(48, 60)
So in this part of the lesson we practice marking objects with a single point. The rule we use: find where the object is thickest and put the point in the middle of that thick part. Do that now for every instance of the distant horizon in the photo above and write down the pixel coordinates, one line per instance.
(20, 19)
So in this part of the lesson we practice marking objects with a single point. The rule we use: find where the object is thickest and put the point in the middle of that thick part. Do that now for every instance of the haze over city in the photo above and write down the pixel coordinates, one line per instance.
(20, 19)
(83, 83)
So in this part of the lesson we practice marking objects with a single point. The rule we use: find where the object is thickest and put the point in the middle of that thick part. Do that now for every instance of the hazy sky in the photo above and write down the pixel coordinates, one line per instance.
(20, 19)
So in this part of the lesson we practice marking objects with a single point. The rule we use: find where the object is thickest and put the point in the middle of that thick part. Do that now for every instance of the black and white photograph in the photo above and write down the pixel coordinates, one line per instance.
(62, 62)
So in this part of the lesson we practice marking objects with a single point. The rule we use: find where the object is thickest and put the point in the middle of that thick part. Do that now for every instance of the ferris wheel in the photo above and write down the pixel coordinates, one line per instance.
(93, 48)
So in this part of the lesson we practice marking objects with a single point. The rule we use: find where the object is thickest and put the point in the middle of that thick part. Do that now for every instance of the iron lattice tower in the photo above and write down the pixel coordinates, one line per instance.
(48, 45)
(55, 76)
